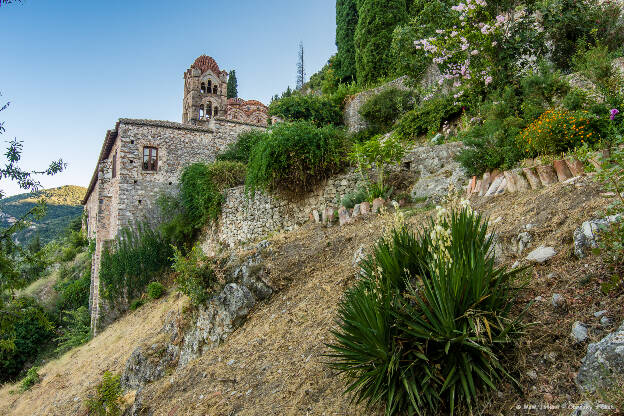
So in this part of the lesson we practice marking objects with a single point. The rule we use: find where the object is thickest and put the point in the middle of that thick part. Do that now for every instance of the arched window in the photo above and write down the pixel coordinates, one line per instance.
(216, 111)
(203, 87)
(208, 110)
(209, 86)
(201, 112)
(215, 90)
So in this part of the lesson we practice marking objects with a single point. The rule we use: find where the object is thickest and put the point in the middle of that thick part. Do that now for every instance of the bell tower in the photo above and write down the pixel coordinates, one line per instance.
(205, 92)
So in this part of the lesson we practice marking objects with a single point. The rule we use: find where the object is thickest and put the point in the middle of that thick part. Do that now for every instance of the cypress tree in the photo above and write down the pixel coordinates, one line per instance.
(373, 37)
(346, 22)
(232, 85)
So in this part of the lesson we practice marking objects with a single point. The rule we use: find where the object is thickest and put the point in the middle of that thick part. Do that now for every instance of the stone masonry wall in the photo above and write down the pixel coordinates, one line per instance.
(178, 146)
(130, 196)
(245, 219)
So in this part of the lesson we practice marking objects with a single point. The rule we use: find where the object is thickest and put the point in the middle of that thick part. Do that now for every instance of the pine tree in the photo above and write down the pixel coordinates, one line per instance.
(373, 37)
(232, 85)
(300, 68)
(346, 22)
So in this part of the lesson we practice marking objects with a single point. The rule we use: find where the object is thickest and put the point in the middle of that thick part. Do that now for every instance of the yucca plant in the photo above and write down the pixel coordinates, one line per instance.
(425, 326)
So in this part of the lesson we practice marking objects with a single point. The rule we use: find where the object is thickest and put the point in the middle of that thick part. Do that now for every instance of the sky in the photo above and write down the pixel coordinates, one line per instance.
(71, 68)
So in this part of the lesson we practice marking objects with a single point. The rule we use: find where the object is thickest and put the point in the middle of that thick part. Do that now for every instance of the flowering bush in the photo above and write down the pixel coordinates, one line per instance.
(557, 131)
(480, 47)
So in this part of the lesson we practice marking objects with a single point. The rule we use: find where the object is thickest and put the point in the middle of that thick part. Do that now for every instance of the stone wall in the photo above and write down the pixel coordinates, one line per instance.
(428, 82)
(352, 118)
(246, 219)
(115, 201)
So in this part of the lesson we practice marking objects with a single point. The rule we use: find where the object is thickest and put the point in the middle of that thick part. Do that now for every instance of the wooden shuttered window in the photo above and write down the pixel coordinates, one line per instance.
(150, 158)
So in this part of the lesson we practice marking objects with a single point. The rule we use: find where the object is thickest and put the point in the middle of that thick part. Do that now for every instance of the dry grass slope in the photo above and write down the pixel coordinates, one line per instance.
(274, 364)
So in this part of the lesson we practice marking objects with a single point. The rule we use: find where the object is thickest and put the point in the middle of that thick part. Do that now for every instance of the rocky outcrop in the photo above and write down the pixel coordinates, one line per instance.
(586, 236)
(438, 171)
(177, 344)
(216, 321)
(604, 360)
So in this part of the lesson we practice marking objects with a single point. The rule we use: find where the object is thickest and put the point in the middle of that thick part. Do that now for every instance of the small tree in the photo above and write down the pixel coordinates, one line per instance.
(232, 85)
(376, 154)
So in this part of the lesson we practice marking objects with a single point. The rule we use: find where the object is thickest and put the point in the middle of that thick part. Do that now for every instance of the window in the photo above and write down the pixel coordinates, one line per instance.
(203, 87)
(150, 158)
(216, 111)
(215, 89)
(201, 112)
(115, 165)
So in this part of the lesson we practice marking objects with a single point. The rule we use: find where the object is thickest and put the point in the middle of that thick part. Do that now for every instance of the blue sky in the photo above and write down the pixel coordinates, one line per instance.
(71, 68)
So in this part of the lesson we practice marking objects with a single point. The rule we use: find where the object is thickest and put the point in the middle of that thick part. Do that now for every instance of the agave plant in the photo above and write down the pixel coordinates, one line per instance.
(422, 331)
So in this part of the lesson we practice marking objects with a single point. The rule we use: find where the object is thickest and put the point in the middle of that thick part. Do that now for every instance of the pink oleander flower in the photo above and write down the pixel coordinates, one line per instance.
(614, 112)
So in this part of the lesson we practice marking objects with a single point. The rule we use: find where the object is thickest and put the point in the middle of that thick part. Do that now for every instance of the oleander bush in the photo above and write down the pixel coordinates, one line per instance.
(425, 328)
(294, 157)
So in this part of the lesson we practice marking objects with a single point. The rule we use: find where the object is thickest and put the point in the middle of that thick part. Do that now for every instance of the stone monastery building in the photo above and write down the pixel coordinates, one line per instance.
(140, 159)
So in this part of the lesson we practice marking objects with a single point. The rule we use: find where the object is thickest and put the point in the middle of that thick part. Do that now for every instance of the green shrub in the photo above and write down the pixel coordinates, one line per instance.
(22, 337)
(194, 276)
(425, 327)
(383, 109)
(568, 22)
(199, 195)
(68, 253)
(32, 378)
(240, 150)
(136, 304)
(76, 329)
(73, 293)
(575, 100)
(315, 109)
(107, 400)
(376, 154)
(155, 290)
(373, 37)
(227, 174)
(596, 64)
(134, 259)
(352, 199)
(295, 157)
(427, 118)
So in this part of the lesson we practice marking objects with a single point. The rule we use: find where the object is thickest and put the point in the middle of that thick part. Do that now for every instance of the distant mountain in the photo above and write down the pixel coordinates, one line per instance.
(63, 206)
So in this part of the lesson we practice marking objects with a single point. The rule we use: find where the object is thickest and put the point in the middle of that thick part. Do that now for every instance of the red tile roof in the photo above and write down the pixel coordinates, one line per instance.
(205, 63)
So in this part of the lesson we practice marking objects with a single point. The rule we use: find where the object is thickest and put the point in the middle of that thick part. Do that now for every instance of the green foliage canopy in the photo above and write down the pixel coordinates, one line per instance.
(373, 37)
(346, 23)
(294, 157)
(232, 85)
(298, 107)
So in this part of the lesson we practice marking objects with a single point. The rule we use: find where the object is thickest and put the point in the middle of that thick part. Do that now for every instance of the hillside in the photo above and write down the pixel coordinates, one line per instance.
(63, 205)
(275, 364)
